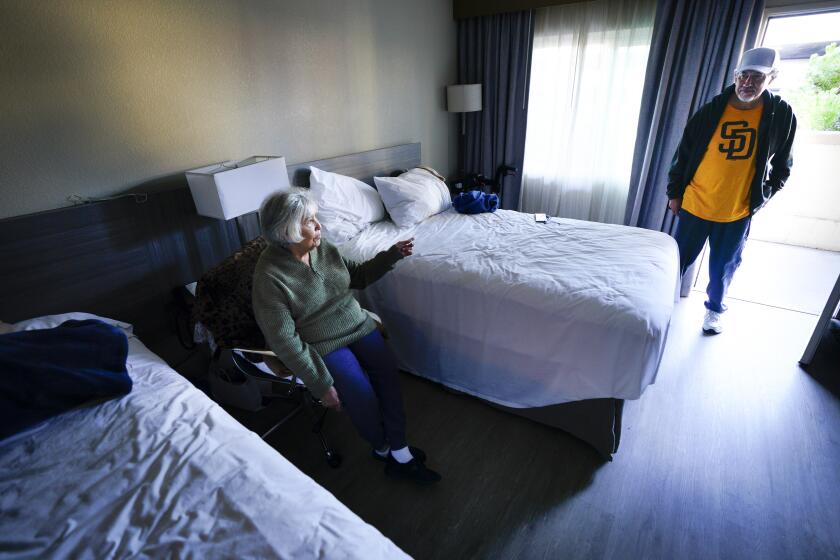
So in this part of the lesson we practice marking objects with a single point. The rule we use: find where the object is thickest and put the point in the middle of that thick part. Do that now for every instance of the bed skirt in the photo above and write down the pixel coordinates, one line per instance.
(595, 421)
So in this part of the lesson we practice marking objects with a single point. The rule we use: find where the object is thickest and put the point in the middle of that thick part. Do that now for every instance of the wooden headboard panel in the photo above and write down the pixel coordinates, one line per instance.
(121, 259)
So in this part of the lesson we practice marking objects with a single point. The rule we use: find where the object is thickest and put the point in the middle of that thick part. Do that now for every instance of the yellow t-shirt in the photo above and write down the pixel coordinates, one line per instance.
(720, 188)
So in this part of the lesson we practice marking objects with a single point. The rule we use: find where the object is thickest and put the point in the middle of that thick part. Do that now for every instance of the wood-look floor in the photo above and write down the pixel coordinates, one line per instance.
(734, 452)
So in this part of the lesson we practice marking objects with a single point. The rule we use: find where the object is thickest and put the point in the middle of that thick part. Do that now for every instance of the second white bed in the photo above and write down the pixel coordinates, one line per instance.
(526, 314)
(164, 472)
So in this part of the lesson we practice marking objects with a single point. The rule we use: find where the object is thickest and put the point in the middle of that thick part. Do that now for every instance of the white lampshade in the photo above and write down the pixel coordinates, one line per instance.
(464, 98)
(229, 190)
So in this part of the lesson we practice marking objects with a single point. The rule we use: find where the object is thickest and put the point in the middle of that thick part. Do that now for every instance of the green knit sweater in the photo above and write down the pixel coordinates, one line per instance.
(307, 311)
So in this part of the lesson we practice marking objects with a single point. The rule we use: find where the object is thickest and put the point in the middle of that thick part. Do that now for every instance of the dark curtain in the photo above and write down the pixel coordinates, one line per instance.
(495, 51)
(693, 54)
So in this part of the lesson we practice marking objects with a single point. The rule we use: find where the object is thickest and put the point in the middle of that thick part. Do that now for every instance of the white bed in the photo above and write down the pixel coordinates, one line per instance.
(525, 314)
(164, 472)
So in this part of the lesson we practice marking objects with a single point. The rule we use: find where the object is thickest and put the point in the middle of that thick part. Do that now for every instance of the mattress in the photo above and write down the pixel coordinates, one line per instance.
(526, 314)
(164, 472)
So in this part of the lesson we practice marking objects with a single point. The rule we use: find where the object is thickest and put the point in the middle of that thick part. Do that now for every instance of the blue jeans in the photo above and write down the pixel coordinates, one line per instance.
(365, 376)
(726, 242)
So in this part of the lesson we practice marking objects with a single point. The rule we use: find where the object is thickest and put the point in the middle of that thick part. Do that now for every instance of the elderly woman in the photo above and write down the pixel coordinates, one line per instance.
(310, 319)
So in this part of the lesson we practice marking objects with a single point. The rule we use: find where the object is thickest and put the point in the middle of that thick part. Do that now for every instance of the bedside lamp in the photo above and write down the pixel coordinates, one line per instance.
(230, 189)
(464, 98)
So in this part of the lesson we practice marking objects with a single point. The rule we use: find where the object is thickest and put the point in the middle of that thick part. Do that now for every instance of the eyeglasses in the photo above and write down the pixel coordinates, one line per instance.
(755, 77)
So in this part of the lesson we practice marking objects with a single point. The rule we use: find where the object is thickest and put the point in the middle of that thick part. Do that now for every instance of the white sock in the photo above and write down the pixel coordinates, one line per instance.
(384, 451)
(402, 455)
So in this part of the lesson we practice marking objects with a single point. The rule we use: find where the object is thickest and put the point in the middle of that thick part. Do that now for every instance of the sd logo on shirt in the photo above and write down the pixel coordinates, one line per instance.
(741, 139)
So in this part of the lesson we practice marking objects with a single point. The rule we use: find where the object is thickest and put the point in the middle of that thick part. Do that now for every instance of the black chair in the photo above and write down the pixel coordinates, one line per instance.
(287, 388)
(264, 367)
(221, 315)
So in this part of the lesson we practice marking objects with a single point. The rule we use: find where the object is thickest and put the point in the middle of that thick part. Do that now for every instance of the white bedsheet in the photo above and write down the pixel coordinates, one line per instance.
(526, 314)
(164, 472)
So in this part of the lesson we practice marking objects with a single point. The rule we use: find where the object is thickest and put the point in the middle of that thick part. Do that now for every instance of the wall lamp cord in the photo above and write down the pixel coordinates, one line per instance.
(77, 200)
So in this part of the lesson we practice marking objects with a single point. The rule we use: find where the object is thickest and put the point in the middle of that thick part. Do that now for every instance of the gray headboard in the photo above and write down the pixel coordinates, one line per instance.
(363, 166)
(121, 259)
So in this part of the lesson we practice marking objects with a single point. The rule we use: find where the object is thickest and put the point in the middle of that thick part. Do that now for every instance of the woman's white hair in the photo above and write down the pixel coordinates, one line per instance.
(283, 213)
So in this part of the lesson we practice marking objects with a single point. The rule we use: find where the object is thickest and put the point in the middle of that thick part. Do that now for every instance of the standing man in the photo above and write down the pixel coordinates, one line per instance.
(733, 157)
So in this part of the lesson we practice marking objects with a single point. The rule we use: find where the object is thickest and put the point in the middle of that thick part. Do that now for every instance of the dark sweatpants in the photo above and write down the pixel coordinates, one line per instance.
(726, 242)
(366, 378)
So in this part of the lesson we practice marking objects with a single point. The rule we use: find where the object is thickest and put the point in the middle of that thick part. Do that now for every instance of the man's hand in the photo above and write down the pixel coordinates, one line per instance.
(331, 400)
(675, 204)
(404, 248)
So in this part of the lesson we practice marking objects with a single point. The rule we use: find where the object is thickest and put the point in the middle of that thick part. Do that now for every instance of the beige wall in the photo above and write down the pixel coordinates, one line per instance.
(98, 97)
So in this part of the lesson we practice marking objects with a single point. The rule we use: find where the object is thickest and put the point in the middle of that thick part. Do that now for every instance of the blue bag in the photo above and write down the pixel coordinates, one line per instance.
(475, 202)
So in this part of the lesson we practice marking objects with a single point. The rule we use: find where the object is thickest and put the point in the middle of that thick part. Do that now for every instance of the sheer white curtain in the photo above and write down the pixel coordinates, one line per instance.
(587, 75)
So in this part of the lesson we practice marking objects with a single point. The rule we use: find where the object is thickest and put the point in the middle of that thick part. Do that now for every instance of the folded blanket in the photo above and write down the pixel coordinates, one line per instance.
(49, 371)
(475, 202)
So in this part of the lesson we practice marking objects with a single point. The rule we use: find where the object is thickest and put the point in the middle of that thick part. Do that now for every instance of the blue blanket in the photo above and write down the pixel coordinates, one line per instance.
(46, 372)
(475, 202)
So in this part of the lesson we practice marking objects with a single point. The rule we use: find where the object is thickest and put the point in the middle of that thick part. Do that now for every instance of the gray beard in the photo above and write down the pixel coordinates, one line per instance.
(745, 99)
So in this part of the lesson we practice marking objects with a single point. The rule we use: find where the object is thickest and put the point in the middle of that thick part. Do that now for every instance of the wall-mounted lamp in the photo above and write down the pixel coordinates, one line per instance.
(463, 98)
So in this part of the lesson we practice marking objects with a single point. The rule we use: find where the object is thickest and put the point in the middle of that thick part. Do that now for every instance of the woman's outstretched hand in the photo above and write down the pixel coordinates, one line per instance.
(404, 248)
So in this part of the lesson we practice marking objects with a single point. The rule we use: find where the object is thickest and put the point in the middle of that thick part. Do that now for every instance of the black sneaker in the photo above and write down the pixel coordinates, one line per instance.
(414, 470)
(416, 452)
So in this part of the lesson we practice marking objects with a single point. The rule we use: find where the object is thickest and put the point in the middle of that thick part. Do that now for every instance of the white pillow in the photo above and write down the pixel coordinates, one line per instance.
(345, 205)
(413, 196)
(52, 321)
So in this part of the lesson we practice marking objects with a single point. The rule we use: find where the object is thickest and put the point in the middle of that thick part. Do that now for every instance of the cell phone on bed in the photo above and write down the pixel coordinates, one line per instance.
(541, 218)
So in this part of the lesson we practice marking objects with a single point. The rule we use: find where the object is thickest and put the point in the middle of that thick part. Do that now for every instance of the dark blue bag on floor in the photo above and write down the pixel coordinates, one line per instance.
(475, 202)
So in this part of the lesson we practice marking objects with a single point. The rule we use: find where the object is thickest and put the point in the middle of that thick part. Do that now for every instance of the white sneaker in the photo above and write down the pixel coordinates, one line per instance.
(711, 322)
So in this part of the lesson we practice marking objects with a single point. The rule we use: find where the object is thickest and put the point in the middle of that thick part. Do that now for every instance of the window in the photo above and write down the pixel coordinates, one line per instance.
(587, 76)
(798, 38)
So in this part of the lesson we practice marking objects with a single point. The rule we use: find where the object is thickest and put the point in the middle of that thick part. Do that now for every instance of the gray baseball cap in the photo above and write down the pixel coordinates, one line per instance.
(762, 59)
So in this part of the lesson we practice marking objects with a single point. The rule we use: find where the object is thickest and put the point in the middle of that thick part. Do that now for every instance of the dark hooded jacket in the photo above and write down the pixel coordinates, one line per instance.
(772, 159)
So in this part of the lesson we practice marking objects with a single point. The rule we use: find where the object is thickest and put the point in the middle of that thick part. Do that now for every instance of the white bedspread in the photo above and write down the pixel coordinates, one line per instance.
(165, 473)
(526, 314)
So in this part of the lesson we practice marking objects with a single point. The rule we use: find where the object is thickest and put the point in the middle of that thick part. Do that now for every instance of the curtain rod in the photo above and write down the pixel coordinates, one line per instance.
(463, 9)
